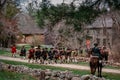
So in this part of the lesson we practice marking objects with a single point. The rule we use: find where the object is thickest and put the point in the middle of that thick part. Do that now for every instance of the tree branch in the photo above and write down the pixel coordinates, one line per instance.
(2, 3)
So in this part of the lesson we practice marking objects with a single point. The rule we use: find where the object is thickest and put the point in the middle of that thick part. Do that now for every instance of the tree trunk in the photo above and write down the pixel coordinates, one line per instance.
(116, 35)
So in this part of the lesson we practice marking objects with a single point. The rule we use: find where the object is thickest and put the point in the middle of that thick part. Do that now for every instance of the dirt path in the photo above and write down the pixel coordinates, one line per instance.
(72, 66)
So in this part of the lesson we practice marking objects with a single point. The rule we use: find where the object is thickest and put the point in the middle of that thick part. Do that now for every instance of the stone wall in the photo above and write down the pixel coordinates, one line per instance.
(46, 74)
(31, 39)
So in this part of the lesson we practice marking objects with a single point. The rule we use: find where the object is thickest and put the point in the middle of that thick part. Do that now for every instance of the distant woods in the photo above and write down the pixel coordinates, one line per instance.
(2, 3)
(8, 27)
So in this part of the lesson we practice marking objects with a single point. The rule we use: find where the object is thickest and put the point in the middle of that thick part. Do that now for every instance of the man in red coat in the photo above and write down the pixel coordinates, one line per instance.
(13, 50)
(31, 54)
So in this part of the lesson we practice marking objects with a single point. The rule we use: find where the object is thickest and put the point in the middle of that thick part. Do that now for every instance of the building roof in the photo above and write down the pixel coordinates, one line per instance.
(102, 21)
(27, 25)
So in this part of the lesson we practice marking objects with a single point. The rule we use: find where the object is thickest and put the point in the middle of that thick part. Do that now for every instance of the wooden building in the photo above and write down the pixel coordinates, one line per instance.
(29, 32)
(100, 31)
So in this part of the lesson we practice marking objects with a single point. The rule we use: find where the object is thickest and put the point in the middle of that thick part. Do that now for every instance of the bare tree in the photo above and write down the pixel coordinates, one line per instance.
(116, 35)
(2, 3)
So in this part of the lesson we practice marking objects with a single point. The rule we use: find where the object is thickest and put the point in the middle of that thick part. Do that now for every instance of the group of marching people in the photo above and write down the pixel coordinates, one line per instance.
(54, 55)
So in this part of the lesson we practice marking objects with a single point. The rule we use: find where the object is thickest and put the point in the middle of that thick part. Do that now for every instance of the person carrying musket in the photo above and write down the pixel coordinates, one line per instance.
(56, 55)
(105, 53)
(68, 55)
(23, 52)
(50, 56)
(45, 55)
(62, 55)
(31, 54)
(37, 54)
(13, 50)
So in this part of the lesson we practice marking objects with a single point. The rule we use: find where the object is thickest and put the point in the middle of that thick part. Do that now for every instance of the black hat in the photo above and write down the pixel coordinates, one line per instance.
(95, 44)
(32, 46)
(39, 46)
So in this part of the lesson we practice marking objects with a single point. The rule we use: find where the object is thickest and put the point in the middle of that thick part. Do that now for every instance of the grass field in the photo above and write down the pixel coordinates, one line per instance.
(5, 75)
(87, 64)
(109, 76)
(8, 53)
(27, 46)
(3, 52)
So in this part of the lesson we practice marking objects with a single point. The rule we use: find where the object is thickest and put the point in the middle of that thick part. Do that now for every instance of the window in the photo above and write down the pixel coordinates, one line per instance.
(88, 31)
(98, 40)
(104, 31)
(104, 42)
(97, 32)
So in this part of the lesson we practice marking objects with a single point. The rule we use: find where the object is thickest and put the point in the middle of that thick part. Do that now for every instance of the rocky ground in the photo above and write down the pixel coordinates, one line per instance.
(52, 75)
(47, 74)
(71, 66)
